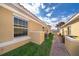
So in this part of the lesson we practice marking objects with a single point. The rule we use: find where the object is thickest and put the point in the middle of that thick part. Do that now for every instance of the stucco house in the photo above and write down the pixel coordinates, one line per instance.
(71, 32)
(19, 26)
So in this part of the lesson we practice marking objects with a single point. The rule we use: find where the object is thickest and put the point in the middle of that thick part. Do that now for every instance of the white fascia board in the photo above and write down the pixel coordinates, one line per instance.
(15, 11)
(72, 19)
(30, 14)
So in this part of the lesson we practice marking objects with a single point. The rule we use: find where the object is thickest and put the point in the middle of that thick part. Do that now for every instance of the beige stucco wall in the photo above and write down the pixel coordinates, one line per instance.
(72, 47)
(65, 30)
(33, 26)
(6, 25)
(46, 30)
(37, 37)
(35, 31)
(6, 17)
(7, 30)
(12, 46)
(75, 29)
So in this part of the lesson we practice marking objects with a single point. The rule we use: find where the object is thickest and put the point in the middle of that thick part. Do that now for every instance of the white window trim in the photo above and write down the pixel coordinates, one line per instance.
(19, 18)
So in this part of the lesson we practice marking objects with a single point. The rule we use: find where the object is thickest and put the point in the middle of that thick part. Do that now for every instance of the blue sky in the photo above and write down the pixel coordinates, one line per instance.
(52, 13)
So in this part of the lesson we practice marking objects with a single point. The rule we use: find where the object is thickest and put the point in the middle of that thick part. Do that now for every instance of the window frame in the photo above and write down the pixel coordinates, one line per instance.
(20, 26)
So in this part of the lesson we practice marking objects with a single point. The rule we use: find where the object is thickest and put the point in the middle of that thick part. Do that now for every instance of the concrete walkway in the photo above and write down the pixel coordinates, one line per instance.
(58, 48)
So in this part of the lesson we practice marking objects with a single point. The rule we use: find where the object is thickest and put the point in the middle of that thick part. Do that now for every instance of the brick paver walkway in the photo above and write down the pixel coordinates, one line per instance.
(58, 48)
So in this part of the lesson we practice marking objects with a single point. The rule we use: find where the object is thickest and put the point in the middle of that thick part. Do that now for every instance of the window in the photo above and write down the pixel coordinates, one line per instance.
(20, 27)
(16, 21)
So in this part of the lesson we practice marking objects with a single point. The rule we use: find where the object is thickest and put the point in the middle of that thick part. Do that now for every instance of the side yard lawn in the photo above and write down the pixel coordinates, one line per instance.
(32, 49)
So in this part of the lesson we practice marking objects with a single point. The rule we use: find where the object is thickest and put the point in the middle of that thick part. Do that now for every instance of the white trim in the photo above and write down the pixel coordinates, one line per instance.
(15, 40)
(72, 19)
(31, 14)
(20, 16)
(13, 10)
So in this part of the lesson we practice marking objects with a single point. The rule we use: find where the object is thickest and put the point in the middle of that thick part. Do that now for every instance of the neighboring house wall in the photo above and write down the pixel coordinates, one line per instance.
(71, 29)
(62, 31)
(72, 44)
(65, 30)
(75, 29)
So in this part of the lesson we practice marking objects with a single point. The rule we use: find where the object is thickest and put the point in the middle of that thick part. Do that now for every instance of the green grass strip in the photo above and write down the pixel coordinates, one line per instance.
(32, 49)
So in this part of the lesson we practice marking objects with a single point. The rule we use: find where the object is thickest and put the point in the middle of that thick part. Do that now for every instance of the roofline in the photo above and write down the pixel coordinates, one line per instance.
(71, 19)
(33, 14)
(25, 11)
(37, 19)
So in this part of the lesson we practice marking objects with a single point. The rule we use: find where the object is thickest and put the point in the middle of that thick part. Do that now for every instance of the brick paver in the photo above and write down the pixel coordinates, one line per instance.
(58, 48)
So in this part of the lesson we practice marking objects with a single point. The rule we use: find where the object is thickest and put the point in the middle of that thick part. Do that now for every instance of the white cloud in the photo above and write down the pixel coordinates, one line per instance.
(54, 8)
(47, 10)
(45, 19)
(34, 8)
(65, 19)
(48, 21)
(42, 6)
(49, 14)
(54, 19)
